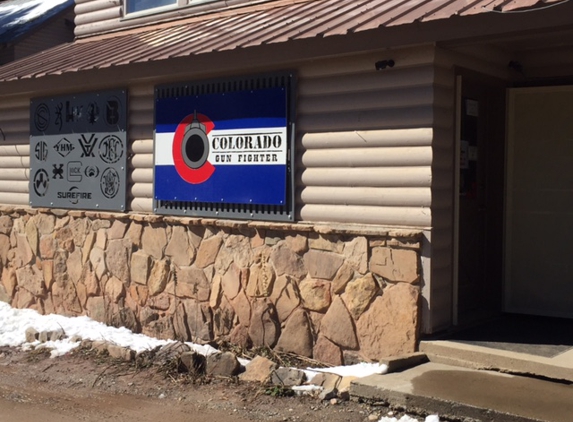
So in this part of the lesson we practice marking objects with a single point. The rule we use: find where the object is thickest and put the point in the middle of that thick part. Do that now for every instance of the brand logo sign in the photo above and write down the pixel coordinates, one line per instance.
(78, 151)
(229, 148)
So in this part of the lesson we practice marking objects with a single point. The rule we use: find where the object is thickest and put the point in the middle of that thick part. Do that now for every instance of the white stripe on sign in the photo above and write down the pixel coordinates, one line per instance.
(264, 146)
(163, 149)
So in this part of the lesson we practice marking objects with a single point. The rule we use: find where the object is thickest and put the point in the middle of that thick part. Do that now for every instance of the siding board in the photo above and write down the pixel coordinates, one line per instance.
(373, 138)
(142, 161)
(407, 117)
(15, 174)
(141, 175)
(142, 146)
(367, 80)
(142, 190)
(88, 6)
(373, 99)
(13, 198)
(367, 176)
(15, 150)
(368, 157)
(392, 197)
(394, 216)
(98, 15)
(14, 186)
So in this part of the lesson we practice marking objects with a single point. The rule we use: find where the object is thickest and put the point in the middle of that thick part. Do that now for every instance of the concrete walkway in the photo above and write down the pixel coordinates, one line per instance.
(468, 393)
(558, 367)
(464, 380)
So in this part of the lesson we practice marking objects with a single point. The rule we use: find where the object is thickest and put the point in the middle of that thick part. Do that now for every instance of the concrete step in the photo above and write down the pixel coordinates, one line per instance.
(455, 392)
(559, 367)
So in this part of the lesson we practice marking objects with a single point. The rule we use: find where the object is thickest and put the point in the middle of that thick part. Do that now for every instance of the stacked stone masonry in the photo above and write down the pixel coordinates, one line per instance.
(337, 294)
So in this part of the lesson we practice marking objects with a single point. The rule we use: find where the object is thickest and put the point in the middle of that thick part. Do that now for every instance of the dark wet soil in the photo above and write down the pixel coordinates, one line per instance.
(84, 387)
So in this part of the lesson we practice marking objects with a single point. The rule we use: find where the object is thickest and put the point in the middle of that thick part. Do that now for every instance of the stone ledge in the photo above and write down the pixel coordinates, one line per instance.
(405, 233)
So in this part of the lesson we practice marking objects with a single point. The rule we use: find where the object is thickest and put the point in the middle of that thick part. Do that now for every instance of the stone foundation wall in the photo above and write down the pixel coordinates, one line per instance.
(336, 294)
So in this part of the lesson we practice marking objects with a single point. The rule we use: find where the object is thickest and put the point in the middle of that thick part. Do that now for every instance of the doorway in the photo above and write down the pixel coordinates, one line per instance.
(539, 216)
(480, 154)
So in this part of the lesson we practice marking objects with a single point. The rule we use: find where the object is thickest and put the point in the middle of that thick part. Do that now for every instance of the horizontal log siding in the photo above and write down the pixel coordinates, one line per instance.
(98, 16)
(365, 140)
(14, 151)
(140, 160)
(94, 16)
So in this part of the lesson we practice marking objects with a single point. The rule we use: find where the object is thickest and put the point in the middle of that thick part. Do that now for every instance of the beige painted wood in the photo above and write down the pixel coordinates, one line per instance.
(397, 197)
(368, 157)
(97, 27)
(141, 205)
(142, 161)
(98, 15)
(16, 186)
(15, 174)
(405, 57)
(141, 132)
(146, 18)
(372, 99)
(142, 175)
(399, 216)
(21, 113)
(367, 176)
(14, 150)
(142, 117)
(17, 103)
(372, 138)
(14, 162)
(413, 117)
(368, 79)
(142, 146)
(539, 219)
(15, 126)
(142, 190)
(475, 59)
(11, 198)
(88, 6)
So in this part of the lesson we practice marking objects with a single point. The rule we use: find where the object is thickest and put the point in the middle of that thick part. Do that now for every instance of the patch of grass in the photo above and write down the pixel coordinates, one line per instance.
(279, 391)
(38, 354)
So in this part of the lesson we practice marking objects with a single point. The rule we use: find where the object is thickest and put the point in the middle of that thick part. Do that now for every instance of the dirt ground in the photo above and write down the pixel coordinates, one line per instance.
(82, 386)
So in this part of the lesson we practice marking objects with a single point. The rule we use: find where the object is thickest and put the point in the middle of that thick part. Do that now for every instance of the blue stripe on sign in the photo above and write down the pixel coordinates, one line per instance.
(257, 123)
(265, 185)
(230, 110)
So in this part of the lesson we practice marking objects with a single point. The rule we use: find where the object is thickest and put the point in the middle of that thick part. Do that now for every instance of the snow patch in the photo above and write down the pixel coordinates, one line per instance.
(32, 10)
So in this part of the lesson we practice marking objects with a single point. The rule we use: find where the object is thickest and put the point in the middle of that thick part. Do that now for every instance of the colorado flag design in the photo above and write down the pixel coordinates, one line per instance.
(223, 148)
